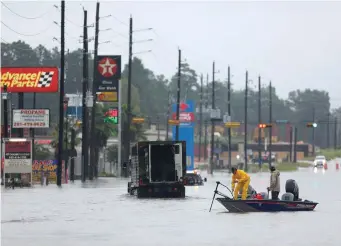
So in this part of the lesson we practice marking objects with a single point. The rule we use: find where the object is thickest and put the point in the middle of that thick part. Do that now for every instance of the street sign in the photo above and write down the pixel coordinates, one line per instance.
(232, 124)
(174, 122)
(215, 114)
(282, 121)
(138, 120)
(227, 118)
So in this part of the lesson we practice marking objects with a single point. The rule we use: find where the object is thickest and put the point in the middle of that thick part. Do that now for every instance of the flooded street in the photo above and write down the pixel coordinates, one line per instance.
(104, 214)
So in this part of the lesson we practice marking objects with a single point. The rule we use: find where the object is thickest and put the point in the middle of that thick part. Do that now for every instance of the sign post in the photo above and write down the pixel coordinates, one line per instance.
(18, 157)
(186, 129)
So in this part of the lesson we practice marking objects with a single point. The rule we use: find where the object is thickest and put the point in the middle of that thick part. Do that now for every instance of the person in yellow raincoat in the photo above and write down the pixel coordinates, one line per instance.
(243, 180)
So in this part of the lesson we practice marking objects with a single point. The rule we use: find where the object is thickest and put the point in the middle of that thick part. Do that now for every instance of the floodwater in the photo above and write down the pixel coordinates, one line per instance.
(103, 214)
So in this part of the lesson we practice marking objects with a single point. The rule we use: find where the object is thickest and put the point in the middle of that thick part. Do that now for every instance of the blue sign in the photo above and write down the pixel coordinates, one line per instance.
(186, 129)
(75, 112)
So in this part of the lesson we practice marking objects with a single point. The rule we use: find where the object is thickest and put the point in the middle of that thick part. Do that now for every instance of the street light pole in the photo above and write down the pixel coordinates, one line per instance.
(210, 171)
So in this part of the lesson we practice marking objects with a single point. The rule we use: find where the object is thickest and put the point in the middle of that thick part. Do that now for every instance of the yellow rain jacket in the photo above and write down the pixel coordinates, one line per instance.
(243, 180)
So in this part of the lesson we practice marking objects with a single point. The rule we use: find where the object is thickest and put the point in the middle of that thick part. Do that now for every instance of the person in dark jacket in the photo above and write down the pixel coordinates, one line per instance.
(275, 183)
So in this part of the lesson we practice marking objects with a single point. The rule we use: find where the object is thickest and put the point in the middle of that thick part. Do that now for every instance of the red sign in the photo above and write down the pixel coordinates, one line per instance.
(183, 106)
(107, 67)
(185, 117)
(30, 79)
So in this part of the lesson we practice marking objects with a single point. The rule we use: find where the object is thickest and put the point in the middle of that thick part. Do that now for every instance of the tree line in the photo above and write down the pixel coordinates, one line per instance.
(152, 92)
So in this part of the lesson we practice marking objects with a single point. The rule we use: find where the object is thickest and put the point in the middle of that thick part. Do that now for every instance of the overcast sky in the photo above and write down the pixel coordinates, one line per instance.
(295, 44)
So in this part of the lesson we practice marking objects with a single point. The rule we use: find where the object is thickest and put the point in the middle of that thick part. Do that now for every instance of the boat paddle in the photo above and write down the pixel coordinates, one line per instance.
(215, 192)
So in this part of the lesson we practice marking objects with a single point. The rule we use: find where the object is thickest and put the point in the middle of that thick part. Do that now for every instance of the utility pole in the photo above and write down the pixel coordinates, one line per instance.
(93, 165)
(200, 114)
(61, 95)
(4, 96)
(335, 134)
(328, 130)
(167, 116)
(245, 120)
(21, 106)
(85, 147)
(72, 164)
(259, 120)
(178, 97)
(33, 130)
(129, 113)
(290, 144)
(158, 127)
(5, 112)
(313, 132)
(229, 113)
(295, 146)
(211, 166)
(206, 122)
(270, 122)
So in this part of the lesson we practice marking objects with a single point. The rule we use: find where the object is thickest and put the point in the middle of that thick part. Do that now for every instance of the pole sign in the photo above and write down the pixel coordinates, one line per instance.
(31, 118)
(18, 155)
(111, 116)
(30, 79)
(108, 74)
(186, 129)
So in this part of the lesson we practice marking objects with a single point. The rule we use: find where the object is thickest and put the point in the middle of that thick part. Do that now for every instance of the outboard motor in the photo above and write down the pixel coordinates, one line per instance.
(292, 187)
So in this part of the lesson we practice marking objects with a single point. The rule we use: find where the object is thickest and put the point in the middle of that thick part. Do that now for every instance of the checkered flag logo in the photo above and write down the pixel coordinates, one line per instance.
(45, 79)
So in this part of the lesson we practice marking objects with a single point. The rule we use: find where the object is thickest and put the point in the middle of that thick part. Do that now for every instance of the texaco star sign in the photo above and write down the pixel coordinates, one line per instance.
(107, 67)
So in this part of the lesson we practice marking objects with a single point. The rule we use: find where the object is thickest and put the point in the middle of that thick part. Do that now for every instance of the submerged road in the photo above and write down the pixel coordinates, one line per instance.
(103, 214)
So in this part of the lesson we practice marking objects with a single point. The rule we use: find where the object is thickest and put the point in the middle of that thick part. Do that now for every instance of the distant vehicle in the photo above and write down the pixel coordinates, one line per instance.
(265, 158)
(320, 161)
(158, 169)
(193, 178)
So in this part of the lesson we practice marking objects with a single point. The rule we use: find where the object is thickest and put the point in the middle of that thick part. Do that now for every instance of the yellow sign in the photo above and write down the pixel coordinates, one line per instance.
(174, 122)
(232, 124)
(107, 96)
(138, 120)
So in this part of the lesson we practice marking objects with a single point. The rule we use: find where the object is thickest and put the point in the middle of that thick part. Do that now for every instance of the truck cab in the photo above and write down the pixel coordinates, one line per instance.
(158, 169)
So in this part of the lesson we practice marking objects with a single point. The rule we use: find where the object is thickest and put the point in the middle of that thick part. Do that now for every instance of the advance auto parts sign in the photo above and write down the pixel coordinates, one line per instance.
(30, 79)
(31, 118)
(18, 156)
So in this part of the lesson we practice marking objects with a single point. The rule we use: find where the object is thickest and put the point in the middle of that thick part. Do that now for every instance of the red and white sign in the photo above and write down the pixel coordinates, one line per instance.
(107, 67)
(31, 118)
(185, 117)
(30, 79)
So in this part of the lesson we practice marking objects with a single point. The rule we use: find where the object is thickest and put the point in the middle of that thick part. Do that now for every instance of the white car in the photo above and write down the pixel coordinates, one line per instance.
(320, 161)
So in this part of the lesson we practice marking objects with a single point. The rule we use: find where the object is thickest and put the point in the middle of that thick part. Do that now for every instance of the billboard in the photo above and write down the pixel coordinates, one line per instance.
(47, 169)
(186, 129)
(18, 156)
(31, 118)
(30, 79)
(108, 74)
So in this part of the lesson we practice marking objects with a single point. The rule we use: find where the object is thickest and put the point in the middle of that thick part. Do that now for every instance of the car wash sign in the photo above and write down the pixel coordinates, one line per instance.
(186, 129)
(18, 155)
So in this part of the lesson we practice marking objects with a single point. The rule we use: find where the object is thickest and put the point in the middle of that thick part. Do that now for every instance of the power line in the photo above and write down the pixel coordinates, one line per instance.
(23, 34)
(25, 17)
(119, 21)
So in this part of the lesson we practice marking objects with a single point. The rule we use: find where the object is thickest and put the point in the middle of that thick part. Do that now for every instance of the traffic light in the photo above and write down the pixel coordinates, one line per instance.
(312, 124)
(138, 120)
(264, 125)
